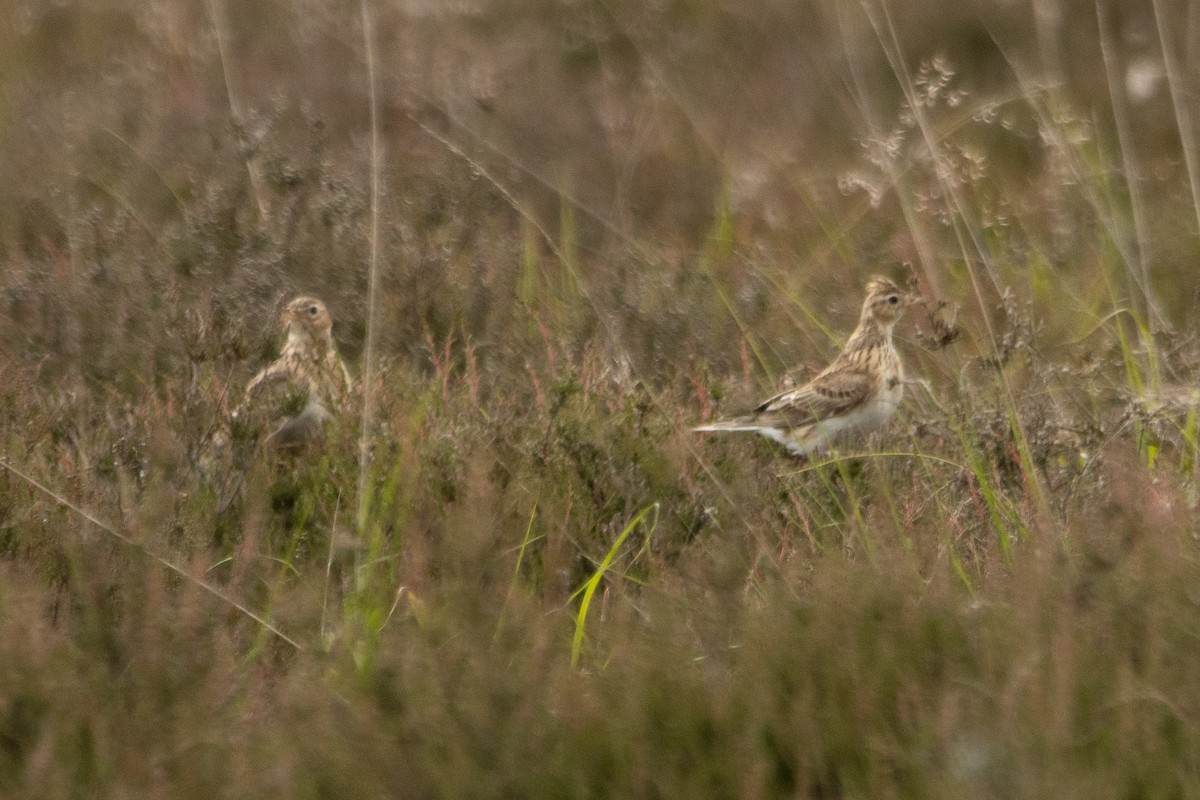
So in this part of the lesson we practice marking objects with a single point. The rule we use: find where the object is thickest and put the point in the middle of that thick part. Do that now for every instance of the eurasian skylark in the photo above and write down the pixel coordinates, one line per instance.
(858, 392)
(307, 385)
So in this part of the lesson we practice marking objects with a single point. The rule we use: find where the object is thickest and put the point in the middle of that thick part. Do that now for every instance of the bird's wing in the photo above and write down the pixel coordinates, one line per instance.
(277, 392)
(267, 376)
(830, 394)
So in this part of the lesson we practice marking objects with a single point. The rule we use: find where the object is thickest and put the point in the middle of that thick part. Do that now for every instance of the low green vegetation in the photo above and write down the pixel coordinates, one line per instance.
(598, 224)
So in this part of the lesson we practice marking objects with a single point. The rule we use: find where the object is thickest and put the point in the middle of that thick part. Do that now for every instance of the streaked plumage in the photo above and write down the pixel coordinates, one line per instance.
(858, 392)
(307, 385)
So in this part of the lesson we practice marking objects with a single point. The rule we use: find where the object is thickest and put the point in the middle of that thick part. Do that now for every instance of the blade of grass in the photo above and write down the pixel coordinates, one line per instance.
(329, 565)
(526, 540)
(589, 588)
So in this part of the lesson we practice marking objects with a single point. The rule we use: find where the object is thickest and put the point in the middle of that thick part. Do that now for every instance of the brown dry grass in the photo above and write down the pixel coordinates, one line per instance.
(601, 222)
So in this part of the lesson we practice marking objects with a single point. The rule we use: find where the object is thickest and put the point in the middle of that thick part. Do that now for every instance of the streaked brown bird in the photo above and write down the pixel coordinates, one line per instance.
(858, 392)
(306, 386)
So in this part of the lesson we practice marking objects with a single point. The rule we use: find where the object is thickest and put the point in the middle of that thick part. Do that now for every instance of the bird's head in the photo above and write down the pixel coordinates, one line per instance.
(885, 302)
(307, 316)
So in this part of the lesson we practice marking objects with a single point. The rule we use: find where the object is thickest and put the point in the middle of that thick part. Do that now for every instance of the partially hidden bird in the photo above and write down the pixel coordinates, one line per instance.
(857, 393)
(307, 385)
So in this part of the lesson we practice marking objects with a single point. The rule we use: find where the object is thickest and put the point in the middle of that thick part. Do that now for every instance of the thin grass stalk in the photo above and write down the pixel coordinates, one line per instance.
(526, 540)
(1133, 183)
(837, 459)
(148, 163)
(1179, 102)
(893, 51)
(810, 316)
(511, 161)
(614, 336)
(885, 489)
(236, 110)
(1048, 18)
(127, 205)
(527, 283)
(568, 243)
(830, 502)
(719, 242)
(337, 507)
(368, 366)
(1187, 458)
(1000, 514)
(164, 562)
(925, 250)
(1085, 176)
(854, 503)
(960, 571)
(1143, 325)
(962, 222)
(388, 507)
(747, 335)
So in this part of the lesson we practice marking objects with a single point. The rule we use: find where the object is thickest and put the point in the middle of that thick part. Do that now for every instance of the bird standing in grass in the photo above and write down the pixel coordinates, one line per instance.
(307, 385)
(858, 392)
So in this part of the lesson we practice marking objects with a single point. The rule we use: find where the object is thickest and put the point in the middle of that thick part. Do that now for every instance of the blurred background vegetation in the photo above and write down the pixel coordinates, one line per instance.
(599, 223)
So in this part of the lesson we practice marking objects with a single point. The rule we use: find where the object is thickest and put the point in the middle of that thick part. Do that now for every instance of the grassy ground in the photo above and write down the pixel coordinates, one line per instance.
(597, 224)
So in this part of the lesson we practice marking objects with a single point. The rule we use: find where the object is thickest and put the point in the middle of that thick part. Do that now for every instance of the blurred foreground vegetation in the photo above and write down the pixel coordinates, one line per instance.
(599, 223)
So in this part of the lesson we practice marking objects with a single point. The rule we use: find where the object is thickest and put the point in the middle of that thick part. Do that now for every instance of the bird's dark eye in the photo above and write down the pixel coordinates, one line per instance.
(893, 299)
(312, 311)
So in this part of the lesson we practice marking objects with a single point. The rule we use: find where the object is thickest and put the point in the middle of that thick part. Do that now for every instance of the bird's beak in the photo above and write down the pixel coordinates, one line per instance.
(913, 299)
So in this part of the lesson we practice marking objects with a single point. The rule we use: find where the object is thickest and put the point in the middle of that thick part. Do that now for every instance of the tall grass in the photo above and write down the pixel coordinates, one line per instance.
(516, 572)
